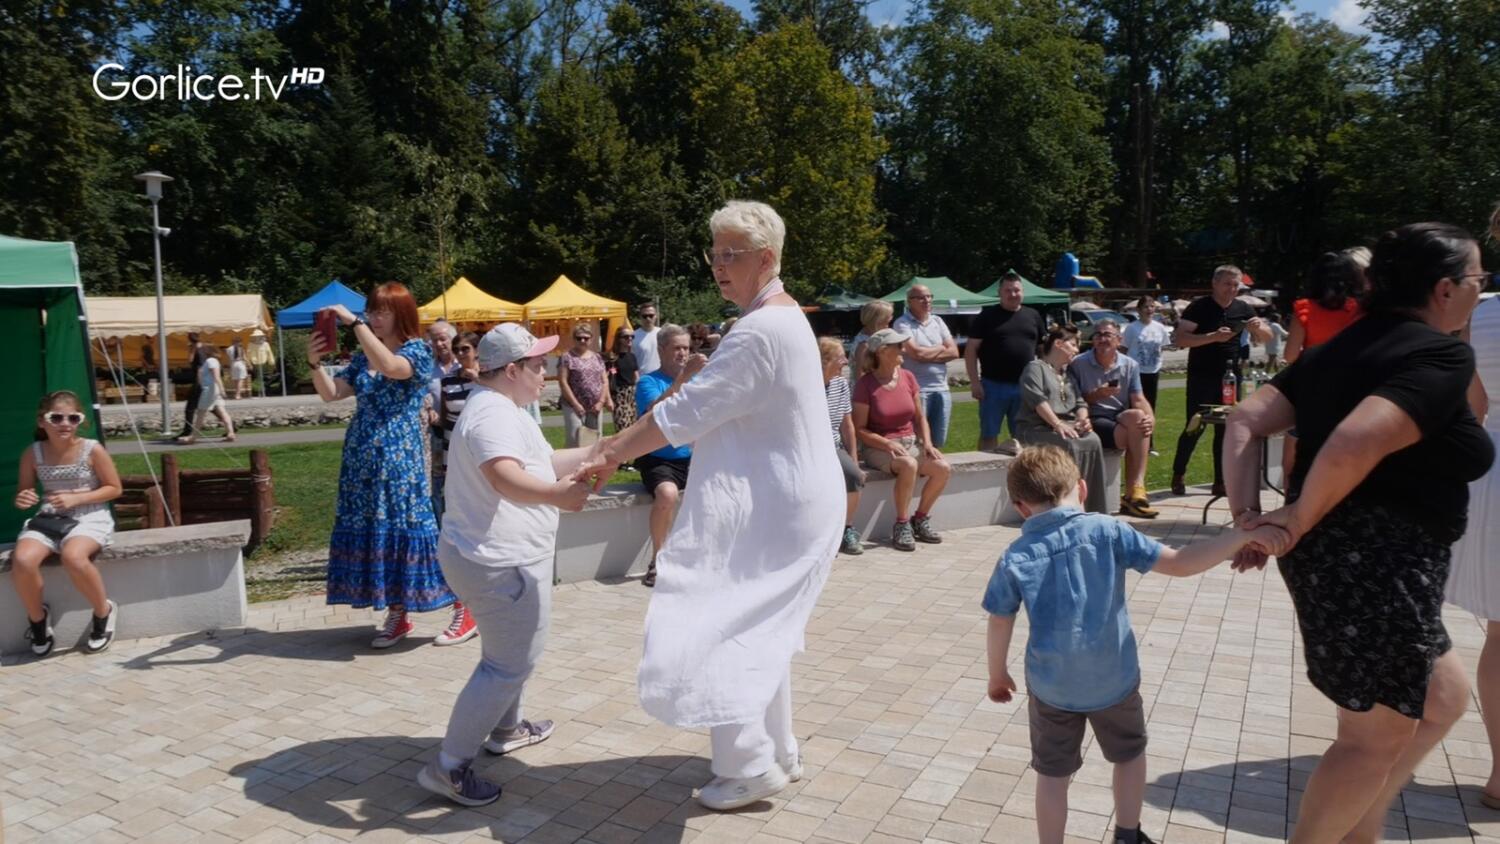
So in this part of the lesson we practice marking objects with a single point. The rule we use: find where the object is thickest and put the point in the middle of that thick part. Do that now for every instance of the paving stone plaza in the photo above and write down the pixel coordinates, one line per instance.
(296, 731)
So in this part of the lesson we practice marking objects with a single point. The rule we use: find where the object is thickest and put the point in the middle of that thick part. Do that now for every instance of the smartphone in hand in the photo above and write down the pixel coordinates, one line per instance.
(326, 325)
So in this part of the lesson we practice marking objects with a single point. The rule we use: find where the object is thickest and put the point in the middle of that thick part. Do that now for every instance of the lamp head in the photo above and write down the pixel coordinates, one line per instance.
(154, 179)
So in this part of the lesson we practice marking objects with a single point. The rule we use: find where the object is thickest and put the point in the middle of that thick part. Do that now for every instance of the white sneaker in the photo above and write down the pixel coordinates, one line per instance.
(793, 768)
(726, 793)
(1009, 447)
(102, 630)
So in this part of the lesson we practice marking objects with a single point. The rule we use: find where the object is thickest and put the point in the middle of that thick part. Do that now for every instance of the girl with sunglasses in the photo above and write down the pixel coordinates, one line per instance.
(78, 479)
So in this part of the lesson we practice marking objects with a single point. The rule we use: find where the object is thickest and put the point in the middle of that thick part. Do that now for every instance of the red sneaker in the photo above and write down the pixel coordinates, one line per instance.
(461, 629)
(396, 626)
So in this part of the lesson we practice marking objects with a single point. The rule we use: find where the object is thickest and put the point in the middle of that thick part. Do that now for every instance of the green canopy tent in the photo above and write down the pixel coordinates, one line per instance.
(947, 296)
(835, 298)
(42, 320)
(1032, 294)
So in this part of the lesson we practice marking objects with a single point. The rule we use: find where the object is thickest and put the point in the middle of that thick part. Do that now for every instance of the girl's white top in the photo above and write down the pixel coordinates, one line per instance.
(759, 525)
(1474, 575)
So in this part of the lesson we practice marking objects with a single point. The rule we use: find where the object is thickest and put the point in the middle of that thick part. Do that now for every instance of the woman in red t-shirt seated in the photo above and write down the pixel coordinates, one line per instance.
(893, 436)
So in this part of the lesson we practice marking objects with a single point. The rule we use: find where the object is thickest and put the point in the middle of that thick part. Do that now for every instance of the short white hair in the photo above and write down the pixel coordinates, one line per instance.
(446, 327)
(1231, 271)
(666, 334)
(757, 221)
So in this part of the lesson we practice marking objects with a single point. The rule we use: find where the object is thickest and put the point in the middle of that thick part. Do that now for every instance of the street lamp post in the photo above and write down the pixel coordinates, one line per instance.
(154, 180)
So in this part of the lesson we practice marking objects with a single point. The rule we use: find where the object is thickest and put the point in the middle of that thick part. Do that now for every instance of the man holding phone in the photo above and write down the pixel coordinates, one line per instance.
(1210, 329)
(1118, 411)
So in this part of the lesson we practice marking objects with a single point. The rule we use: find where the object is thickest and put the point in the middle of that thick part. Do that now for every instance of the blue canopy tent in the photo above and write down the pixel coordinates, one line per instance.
(302, 314)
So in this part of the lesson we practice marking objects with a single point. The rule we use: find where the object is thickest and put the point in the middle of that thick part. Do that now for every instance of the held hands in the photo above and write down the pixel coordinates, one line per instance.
(597, 466)
(1084, 425)
(571, 494)
(26, 499)
(1002, 688)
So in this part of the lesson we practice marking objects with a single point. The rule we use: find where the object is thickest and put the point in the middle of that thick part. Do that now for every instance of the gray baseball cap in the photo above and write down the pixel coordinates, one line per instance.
(509, 342)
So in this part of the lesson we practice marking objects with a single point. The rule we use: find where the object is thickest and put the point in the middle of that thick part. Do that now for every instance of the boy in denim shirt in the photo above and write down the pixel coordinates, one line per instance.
(1068, 568)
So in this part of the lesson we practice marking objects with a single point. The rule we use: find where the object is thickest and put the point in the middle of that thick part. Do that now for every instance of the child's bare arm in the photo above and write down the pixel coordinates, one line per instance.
(997, 644)
(1202, 556)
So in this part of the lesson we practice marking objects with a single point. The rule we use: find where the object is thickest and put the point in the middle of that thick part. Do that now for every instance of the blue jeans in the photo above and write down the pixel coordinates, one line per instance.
(938, 405)
(1002, 400)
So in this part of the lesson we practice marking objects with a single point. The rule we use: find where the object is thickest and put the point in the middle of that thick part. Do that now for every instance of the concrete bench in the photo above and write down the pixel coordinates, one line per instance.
(165, 580)
(610, 537)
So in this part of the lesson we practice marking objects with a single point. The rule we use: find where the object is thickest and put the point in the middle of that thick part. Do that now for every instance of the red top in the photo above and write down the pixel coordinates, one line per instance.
(1319, 324)
(891, 411)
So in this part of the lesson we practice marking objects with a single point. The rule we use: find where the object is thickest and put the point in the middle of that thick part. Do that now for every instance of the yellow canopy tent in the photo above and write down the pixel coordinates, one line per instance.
(565, 304)
(125, 326)
(465, 303)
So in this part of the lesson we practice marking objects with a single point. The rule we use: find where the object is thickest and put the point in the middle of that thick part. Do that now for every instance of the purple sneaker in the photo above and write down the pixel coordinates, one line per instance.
(461, 785)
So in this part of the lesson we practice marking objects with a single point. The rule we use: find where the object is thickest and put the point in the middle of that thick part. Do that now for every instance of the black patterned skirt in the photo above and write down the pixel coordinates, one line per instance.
(1367, 583)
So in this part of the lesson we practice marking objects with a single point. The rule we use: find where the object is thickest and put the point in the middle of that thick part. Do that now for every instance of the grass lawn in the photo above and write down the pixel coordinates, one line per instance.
(306, 474)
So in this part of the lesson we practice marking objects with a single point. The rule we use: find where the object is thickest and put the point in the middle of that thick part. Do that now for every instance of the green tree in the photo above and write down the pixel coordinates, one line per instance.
(997, 157)
(784, 127)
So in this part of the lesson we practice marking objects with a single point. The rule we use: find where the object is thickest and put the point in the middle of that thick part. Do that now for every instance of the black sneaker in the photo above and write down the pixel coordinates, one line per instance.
(1140, 837)
(921, 528)
(39, 633)
(102, 632)
(901, 537)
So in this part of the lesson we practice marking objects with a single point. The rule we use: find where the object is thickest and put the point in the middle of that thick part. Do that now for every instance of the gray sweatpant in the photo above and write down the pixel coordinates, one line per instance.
(511, 607)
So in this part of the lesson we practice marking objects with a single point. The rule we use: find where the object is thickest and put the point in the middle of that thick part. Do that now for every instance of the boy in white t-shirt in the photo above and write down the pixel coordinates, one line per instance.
(498, 539)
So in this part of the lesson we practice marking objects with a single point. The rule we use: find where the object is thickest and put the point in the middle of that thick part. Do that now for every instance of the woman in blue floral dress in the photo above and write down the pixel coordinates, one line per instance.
(383, 551)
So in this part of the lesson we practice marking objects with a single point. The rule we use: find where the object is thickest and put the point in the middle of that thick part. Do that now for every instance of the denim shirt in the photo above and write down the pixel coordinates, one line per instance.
(1068, 569)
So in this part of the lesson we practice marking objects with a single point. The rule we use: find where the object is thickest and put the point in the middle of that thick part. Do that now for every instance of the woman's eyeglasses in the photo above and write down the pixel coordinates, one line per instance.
(74, 419)
(723, 256)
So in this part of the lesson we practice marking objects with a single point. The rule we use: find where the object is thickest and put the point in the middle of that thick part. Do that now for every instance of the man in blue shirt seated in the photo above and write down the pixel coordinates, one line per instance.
(665, 471)
(1111, 383)
(1068, 569)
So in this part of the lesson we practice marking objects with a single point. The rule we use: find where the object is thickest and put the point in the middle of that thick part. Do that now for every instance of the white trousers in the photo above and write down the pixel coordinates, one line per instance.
(749, 750)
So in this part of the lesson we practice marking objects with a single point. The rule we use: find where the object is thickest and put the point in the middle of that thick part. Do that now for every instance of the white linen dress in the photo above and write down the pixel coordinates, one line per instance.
(760, 522)
(1474, 575)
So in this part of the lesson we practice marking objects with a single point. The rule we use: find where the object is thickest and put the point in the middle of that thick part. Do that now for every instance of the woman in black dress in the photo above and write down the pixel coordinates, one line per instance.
(623, 371)
(1388, 445)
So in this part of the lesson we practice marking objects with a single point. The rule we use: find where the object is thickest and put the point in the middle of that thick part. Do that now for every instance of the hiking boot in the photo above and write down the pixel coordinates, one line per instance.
(102, 631)
(726, 793)
(39, 633)
(1179, 485)
(851, 543)
(1134, 507)
(921, 528)
(902, 538)
(396, 628)
(461, 629)
(461, 785)
(524, 734)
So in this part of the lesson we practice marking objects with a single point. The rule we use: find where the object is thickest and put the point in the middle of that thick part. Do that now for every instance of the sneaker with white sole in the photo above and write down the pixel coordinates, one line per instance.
(524, 734)
(461, 629)
(1009, 447)
(396, 627)
(39, 633)
(102, 630)
(726, 793)
(792, 767)
(461, 785)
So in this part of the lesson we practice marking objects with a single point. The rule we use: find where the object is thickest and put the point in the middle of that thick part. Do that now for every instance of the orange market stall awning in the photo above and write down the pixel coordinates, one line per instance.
(464, 302)
(564, 304)
(125, 325)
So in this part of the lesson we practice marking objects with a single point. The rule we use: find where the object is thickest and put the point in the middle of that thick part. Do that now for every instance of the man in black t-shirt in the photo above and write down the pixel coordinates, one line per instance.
(1210, 330)
(1002, 340)
(195, 392)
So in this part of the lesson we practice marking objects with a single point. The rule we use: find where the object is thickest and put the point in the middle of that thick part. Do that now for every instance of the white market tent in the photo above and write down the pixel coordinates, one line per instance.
(218, 318)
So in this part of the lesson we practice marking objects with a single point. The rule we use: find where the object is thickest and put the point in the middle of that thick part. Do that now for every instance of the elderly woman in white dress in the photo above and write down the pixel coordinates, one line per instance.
(1474, 577)
(751, 548)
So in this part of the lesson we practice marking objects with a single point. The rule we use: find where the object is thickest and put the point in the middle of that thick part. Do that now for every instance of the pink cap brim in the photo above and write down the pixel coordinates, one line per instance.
(542, 346)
